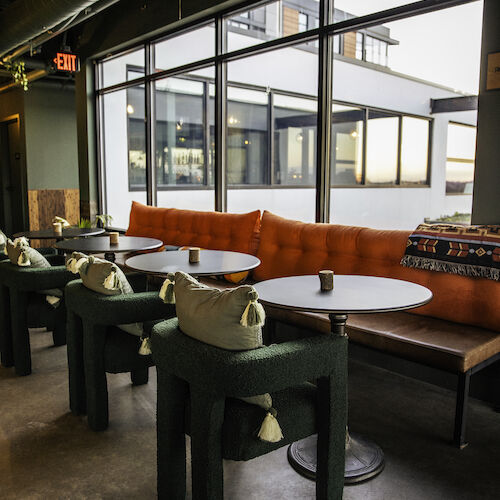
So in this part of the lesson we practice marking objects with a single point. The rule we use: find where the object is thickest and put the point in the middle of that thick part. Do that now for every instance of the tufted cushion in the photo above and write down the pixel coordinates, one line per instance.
(290, 248)
(212, 230)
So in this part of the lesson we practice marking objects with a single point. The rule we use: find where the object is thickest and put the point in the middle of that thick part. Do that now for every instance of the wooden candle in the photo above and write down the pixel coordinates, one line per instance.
(114, 237)
(57, 227)
(194, 255)
(326, 280)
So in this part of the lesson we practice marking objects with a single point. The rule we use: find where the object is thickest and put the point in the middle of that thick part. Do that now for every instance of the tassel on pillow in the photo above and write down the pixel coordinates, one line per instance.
(111, 282)
(254, 314)
(270, 429)
(74, 265)
(167, 289)
(23, 260)
(52, 300)
(145, 349)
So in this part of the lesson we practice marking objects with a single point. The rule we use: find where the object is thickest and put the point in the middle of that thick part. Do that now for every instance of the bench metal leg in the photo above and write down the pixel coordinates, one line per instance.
(461, 409)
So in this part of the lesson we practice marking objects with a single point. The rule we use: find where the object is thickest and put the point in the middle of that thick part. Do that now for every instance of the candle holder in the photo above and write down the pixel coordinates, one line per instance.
(114, 238)
(194, 255)
(326, 280)
(57, 227)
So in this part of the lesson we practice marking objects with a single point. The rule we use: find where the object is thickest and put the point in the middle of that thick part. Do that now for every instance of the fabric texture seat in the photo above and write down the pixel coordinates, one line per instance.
(197, 384)
(22, 306)
(96, 346)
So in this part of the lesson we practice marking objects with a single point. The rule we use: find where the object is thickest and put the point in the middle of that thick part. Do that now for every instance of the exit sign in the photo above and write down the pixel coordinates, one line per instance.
(66, 62)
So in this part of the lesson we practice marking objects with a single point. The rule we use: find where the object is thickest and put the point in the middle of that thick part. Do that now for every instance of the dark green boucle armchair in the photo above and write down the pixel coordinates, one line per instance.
(22, 307)
(96, 346)
(194, 380)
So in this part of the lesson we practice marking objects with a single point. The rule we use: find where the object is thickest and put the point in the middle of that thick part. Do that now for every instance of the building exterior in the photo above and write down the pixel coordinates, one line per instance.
(393, 163)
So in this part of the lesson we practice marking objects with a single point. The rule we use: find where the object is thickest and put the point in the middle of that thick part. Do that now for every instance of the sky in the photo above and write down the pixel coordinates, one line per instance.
(442, 47)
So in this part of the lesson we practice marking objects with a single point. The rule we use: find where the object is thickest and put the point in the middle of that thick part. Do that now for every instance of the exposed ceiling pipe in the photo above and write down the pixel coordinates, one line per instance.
(26, 24)
(31, 76)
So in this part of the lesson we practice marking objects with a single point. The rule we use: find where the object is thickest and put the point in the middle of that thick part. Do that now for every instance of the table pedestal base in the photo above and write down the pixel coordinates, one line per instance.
(109, 256)
(363, 458)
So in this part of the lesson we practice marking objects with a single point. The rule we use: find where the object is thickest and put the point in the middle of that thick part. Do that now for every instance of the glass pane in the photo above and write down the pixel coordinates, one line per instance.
(347, 145)
(345, 9)
(461, 141)
(184, 142)
(428, 58)
(120, 69)
(247, 136)
(459, 177)
(124, 137)
(189, 47)
(271, 21)
(287, 78)
(295, 141)
(381, 148)
(414, 150)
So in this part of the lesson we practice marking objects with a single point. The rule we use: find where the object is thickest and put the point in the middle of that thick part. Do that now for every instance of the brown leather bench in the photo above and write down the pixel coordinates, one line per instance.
(459, 331)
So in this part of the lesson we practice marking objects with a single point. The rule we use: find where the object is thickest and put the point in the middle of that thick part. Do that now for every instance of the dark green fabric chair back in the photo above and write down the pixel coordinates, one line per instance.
(197, 384)
(96, 346)
(23, 305)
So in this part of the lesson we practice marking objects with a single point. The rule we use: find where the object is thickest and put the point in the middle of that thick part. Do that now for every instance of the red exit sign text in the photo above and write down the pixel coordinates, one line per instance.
(66, 62)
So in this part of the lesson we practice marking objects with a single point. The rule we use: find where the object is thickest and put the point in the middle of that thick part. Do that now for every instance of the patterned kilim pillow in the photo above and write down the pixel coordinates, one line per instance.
(103, 277)
(230, 319)
(21, 254)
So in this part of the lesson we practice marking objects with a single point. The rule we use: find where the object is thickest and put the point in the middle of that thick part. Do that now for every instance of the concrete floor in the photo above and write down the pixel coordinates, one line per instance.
(47, 453)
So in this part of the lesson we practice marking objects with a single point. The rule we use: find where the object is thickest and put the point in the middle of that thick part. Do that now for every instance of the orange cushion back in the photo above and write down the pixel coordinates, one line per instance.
(212, 230)
(290, 248)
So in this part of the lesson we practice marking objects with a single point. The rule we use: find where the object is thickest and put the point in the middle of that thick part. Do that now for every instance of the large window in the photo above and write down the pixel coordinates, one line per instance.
(190, 123)
(460, 154)
(184, 141)
(271, 133)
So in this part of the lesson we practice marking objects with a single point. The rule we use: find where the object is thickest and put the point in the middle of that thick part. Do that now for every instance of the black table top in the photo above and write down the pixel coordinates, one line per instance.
(101, 244)
(351, 294)
(212, 262)
(70, 232)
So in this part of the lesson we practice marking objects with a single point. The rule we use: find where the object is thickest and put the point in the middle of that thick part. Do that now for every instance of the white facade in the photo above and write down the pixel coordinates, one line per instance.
(291, 69)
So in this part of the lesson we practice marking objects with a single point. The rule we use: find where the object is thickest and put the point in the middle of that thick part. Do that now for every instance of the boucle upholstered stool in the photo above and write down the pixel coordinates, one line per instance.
(23, 306)
(197, 384)
(96, 345)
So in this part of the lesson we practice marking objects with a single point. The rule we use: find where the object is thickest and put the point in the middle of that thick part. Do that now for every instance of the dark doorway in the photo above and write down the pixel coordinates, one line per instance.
(13, 193)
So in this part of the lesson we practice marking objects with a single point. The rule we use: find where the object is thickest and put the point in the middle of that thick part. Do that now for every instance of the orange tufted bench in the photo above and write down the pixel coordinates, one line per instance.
(458, 331)
(212, 230)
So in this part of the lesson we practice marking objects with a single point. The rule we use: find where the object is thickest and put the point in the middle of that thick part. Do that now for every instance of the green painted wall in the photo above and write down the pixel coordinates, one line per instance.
(51, 140)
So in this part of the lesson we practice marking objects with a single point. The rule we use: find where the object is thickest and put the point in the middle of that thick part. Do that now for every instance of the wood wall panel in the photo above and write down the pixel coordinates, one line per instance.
(350, 45)
(290, 21)
(44, 204)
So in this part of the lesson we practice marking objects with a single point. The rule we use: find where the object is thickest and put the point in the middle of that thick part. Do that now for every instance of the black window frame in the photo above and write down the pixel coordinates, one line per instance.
(323, 34)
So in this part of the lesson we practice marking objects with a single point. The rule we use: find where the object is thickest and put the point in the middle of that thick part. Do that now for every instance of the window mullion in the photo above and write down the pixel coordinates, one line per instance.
(149, 117)
(220, 183)
(324, 116)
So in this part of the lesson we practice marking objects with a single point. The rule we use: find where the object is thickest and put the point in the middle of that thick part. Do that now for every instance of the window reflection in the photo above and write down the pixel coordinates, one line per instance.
(461, 152)
(295, 140)
(347, 145)
(181, 132)
(382, 148)
(247, 136)
(414, 150)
